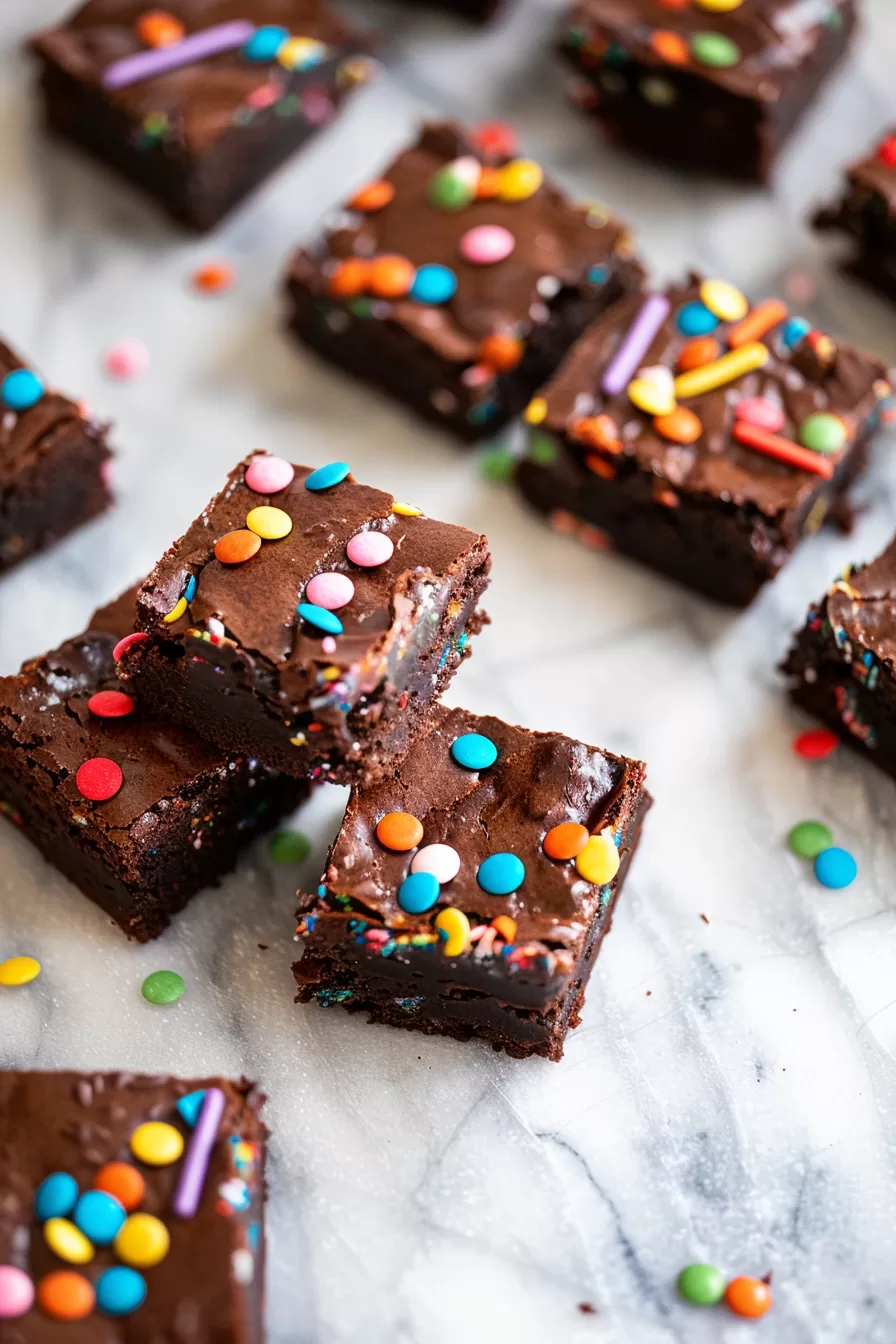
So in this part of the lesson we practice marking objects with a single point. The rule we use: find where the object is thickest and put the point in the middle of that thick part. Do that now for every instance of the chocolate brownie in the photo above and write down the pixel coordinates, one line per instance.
(841, 665)
(140, 814)
(701, 435)
(458, 279)
(469, 894)
(308, 620)
(713, 87)
(132, 1210)
(198, 101)
(866, 214)
(53, 463)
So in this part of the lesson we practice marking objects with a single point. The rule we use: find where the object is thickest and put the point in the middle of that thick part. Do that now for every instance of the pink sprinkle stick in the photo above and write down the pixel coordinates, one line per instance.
(193, 1173)
(634, 347)
(196, 47)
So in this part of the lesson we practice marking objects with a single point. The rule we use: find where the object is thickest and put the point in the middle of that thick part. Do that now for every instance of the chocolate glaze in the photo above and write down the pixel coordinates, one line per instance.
(76, 1123)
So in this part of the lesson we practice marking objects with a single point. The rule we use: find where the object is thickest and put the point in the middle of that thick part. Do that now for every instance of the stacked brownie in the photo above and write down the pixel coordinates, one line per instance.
(866, 215)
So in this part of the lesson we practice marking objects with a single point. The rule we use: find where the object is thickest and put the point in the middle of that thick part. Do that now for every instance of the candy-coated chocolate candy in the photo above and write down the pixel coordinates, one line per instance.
(598, 431)
(19, 971)
(265, 42)
(455, 929)
(748, 1297)
(566, 840)
(391, 277)
(127, 359)
(835, 868)
(99, 1216)
(715, 50)
(157, 1143)
(809, 838)
(442, 861)
(723, 300)
(762, 412)
(269, 475)
(536, 411)
(489, 184)
(16, 1292)
(681, 426)
(418, 893)
(500, 351)
(823, 433)
(120, 1290)
(406, 510)
(399, 831)
(598, 860)
(701, 350)
(270, 524)
(110, 705)
(178, 610)
(670, 47)
(99, 779)
(816, 743)
(653, 391)
(163, 987)
(496, 138)
(886, 151)
(56, 1196)
(372, 196)
(505, 927)
(434, 284)
(702, 1285)
(189, 1106)
(289, 846)
(487, 244)
(501, 874)
(719, 6)
(695, 319)
(330, 591)
(369, 549)
(474, 751)
(350, 278)
(334, 473)
(67, 1241)
(235, 548)
(320, 618)
(158, 28)
(123, 1181)
(795, 331)
(21, 389)
(301, 53)
(143, 1241)
(65, 1295)
(214, 277)
(454, 186)
(520, 179)
(128, 642)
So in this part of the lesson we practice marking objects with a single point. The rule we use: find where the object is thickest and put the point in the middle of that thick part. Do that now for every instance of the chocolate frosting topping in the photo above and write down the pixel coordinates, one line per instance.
(863, 606)
(26, 435)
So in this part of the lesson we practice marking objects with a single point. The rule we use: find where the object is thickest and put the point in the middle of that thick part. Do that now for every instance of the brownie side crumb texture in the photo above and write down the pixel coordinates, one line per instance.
(684, 491)
(866, 215)
(184, 811)
(201, 136)
(391, 294)
(53, 465)
(243, 668)
(714, 92)
(210, 1284)
(504, 961)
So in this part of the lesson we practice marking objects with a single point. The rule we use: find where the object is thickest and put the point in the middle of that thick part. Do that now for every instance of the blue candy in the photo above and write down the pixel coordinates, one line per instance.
(835, 868)
(324, 477)
(188, 1107)
(120, 1290)
(56, 1196)
(500, 874)
(418, 893)
(320, 617)
(434, 284)
(695, 319)
(99, 1216)
(190, 590)
(21, 389)
(265, 42)
(794, 330)
(474, 751)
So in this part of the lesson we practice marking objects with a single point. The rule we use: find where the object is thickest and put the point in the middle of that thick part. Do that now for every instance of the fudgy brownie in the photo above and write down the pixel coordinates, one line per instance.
(308, 620)
(138, 813)
(458, 280)
(716, 87)
(866, 214)
(132, 1210)
(469, 894)
(53, 463)
(701, 435)
(841, 666)
(199, 101)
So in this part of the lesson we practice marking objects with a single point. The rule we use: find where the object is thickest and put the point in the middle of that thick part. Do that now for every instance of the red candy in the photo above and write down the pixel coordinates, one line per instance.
(815, 744)
(128, 642)
(495, 137)
(110, 705)
(99, 779)
(886, 151)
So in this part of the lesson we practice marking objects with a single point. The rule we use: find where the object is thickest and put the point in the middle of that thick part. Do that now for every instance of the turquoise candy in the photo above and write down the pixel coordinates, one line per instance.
(120, 1290)
(835, 868)
(265, 42)
(99, 1216)
(320, 618)
(474, 751)
(823, 433)
(325, 477)
(794, 330)
(56, 1196)
(21, 389)
(434, 284)
(695, 319)
(501, 874)
(188, 1107)
(418, 893)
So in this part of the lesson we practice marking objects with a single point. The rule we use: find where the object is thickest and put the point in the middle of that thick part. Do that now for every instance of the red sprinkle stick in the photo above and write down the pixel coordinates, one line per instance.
(783, 450)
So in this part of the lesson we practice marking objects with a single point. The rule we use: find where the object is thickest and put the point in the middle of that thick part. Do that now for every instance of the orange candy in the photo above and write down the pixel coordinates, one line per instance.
(681, 426)
(488, 184)
(701, 350)
(349, 279)
(372, 196)
(600, 467)
(598, 431)
(566, 840)
(500, 351)
(505, 926)
(157, 28)
(748, 1297)
(399, 831)
(391, 277)
(670, 47)
(235, 548)
(214, 278)
(65, 1295)
(123, 1181)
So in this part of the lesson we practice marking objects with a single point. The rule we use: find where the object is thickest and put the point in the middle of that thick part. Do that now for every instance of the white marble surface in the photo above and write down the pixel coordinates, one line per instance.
(731, 1092)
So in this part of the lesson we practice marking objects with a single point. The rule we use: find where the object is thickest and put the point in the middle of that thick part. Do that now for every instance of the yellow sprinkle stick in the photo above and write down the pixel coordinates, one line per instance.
(710, 376)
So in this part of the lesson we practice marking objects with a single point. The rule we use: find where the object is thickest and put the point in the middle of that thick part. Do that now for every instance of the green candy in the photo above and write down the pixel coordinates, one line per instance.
(714, 49)
(543, 450)
(497, 464)
(809, 838)
(452, 187)
(823, 433)
(702, 1285)
(162, 987)
(289, 847)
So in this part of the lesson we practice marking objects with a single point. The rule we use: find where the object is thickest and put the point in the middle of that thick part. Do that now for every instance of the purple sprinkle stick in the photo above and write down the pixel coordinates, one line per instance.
(192, 1176)
(196, 47)
(634, 347)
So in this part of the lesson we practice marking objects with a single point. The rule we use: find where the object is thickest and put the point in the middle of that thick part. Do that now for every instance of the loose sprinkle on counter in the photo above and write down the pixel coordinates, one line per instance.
(127, 360)
(163, 987)
(289, 847)
(809, 838)
(701, 1285)
(214, 278)
(835, 868)
(748, 1297)
(19, 971)
(815, 744)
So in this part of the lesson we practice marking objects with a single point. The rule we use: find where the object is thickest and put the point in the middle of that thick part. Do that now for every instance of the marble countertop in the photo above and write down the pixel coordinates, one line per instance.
(731, 1092)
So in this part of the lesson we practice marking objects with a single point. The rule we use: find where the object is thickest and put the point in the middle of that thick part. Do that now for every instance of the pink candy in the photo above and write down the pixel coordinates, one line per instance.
(330, 591)
(16, 1292)
(128, 359)
(761, 412)
(486, 244)
(268, 475)
(369, 549)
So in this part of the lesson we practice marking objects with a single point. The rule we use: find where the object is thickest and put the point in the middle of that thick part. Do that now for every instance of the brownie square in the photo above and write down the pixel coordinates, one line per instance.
(441, 909)
(703, 440)
(324, 652)
(87, 1157)
(866, 215)
(197, 102)
(840, 668)
(717, 91)
(53, 463)
(183, 810)
(392, 292)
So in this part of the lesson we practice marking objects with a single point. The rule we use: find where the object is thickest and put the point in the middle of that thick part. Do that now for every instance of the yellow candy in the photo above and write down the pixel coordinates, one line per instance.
(519, 179)
(157, 1144)
(719, 6)
(269, 523)
(728, 304)
(176, 611)
(143, 1241)
(67, 1241)
(745, 359)
(536, 411)
(456, 926)
(598, 862)
(19, 970)
(653, 391)
(406, 510)
(300, 53)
